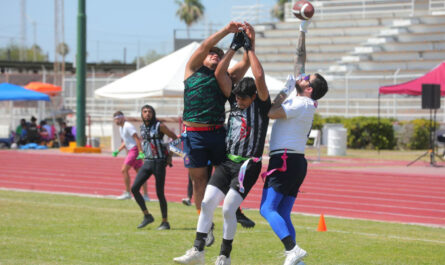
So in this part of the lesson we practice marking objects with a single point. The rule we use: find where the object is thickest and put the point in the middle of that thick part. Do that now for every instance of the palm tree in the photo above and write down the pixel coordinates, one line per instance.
(190, 11)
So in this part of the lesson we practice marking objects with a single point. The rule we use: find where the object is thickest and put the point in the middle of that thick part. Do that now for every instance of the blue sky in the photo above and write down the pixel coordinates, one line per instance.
(112, 26)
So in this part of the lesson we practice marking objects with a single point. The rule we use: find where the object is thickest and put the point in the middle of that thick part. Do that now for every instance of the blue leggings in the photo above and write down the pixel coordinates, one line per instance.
(276, 209)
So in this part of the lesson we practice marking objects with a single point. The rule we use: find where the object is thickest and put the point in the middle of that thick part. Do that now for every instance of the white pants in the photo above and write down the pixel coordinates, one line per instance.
(212, 198)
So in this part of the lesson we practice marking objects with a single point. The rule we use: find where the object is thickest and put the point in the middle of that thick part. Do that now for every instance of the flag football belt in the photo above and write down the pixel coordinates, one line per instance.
(242, 170)
(283, 168)
(236, 159)
(203, 129)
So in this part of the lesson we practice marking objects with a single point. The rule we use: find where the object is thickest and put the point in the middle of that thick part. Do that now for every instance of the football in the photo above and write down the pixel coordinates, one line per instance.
(303, 10)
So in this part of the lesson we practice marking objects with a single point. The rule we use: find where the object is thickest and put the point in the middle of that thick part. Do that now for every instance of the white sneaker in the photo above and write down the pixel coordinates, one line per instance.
(192, 256)
(146, 198)
(125, 196)
(295, 255)
(223, 260)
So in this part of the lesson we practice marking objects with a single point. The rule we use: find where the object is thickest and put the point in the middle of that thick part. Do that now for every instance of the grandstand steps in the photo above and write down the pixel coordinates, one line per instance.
(322, 40)
(323, 32)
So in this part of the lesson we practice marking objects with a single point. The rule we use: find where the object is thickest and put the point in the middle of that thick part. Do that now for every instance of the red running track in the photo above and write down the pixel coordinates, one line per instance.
(352, 188)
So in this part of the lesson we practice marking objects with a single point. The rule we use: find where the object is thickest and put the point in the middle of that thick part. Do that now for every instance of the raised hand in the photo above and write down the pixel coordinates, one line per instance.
(234, 27)
(237, 41)
(289, 86)
(304, 25)
(250, 31)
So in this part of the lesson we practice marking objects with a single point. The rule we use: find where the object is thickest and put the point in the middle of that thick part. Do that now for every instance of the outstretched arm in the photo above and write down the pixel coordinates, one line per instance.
(257, 68)
(223, 78)
(200, 54)
(276, 111)
(300, 55)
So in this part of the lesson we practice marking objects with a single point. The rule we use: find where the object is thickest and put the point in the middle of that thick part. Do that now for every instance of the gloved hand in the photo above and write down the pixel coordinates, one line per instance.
(141, 155)
(289, 86)
(115, 153)
(237, 41)
(304, 24)
(247, 42)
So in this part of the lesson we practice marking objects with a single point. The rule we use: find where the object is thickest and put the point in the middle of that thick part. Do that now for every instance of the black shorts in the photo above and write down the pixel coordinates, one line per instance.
(226, 176)
(288, 182)
(202, 147)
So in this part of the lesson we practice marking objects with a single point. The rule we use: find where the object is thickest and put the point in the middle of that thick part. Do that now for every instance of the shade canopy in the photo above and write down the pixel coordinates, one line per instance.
(45, 88)
(414, 87)
(162, 78)
(15, 93)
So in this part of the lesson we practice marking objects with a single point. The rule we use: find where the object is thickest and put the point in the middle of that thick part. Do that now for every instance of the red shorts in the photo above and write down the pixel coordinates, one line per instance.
(131, 158)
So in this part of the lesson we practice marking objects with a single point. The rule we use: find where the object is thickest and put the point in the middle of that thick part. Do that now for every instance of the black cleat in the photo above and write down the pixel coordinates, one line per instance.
(187, 202)
(210, 238)
(164, 226)
(244, 220)
(148, 219)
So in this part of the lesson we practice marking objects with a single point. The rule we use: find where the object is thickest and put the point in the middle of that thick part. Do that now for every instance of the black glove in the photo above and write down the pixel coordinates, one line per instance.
(247, 43)
(238, 41)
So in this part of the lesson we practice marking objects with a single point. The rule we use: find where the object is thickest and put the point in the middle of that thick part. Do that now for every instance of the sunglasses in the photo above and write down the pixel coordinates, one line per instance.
(306, 78)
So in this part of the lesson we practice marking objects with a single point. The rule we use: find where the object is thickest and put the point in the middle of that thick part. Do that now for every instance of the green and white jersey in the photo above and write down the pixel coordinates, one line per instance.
(203, 99)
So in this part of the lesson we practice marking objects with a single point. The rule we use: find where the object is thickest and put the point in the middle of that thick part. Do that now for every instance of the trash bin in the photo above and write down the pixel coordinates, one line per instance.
(337, 141)
(324, 133)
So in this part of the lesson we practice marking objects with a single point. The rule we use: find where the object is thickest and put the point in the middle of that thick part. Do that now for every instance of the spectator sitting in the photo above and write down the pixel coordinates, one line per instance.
(20, 133)
(33, 135)
(66, 134)
(45, 132)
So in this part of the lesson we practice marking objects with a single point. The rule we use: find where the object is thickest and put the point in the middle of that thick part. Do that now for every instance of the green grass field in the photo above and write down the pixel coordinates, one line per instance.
(40, 228)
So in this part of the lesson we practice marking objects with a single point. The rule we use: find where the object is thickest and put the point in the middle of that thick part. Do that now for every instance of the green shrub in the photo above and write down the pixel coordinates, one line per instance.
(318, 122)
(369, 133)
(414, 135)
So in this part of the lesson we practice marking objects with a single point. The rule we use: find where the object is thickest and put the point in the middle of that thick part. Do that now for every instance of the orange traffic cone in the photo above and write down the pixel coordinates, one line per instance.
(321, 224)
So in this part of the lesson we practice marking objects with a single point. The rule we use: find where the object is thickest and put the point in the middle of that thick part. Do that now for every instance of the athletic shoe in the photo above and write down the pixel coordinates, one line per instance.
(164, 226)
(148, 219)
(210, 238)
(295, 255)
(125, 196)
(146, 198)
(192, 256)
(223, 260)
(186, 201)
(244, 220)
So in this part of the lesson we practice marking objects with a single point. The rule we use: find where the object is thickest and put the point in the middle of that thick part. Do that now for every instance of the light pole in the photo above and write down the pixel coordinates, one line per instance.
(80, 74)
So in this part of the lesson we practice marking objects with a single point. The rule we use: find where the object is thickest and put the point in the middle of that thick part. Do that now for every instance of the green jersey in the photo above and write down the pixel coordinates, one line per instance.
(203, 99)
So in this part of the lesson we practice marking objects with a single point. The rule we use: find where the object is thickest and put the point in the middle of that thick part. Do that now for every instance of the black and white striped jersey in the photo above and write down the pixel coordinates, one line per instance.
(247, 128)
(152, 143)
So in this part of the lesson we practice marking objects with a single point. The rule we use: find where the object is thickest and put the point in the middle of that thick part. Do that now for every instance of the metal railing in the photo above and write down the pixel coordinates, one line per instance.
(253, 14)
(436, 7)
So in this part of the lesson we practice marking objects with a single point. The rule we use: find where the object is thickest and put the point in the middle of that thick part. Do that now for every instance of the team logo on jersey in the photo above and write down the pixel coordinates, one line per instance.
(245, 130)
(186, 160)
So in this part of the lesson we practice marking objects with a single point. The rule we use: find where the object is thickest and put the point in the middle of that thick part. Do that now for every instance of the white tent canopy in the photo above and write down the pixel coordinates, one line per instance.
(163, 78)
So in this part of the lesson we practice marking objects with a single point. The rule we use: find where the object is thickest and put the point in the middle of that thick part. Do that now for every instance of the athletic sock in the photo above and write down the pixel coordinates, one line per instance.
(288, 243)
(226, 247)
(200, 241)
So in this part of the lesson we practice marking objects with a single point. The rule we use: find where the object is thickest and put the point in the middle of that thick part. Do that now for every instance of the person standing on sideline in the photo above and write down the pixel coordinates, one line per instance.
(294, 114)
(130, 141)
(246, 134)
(156, 159)
(204, 112)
